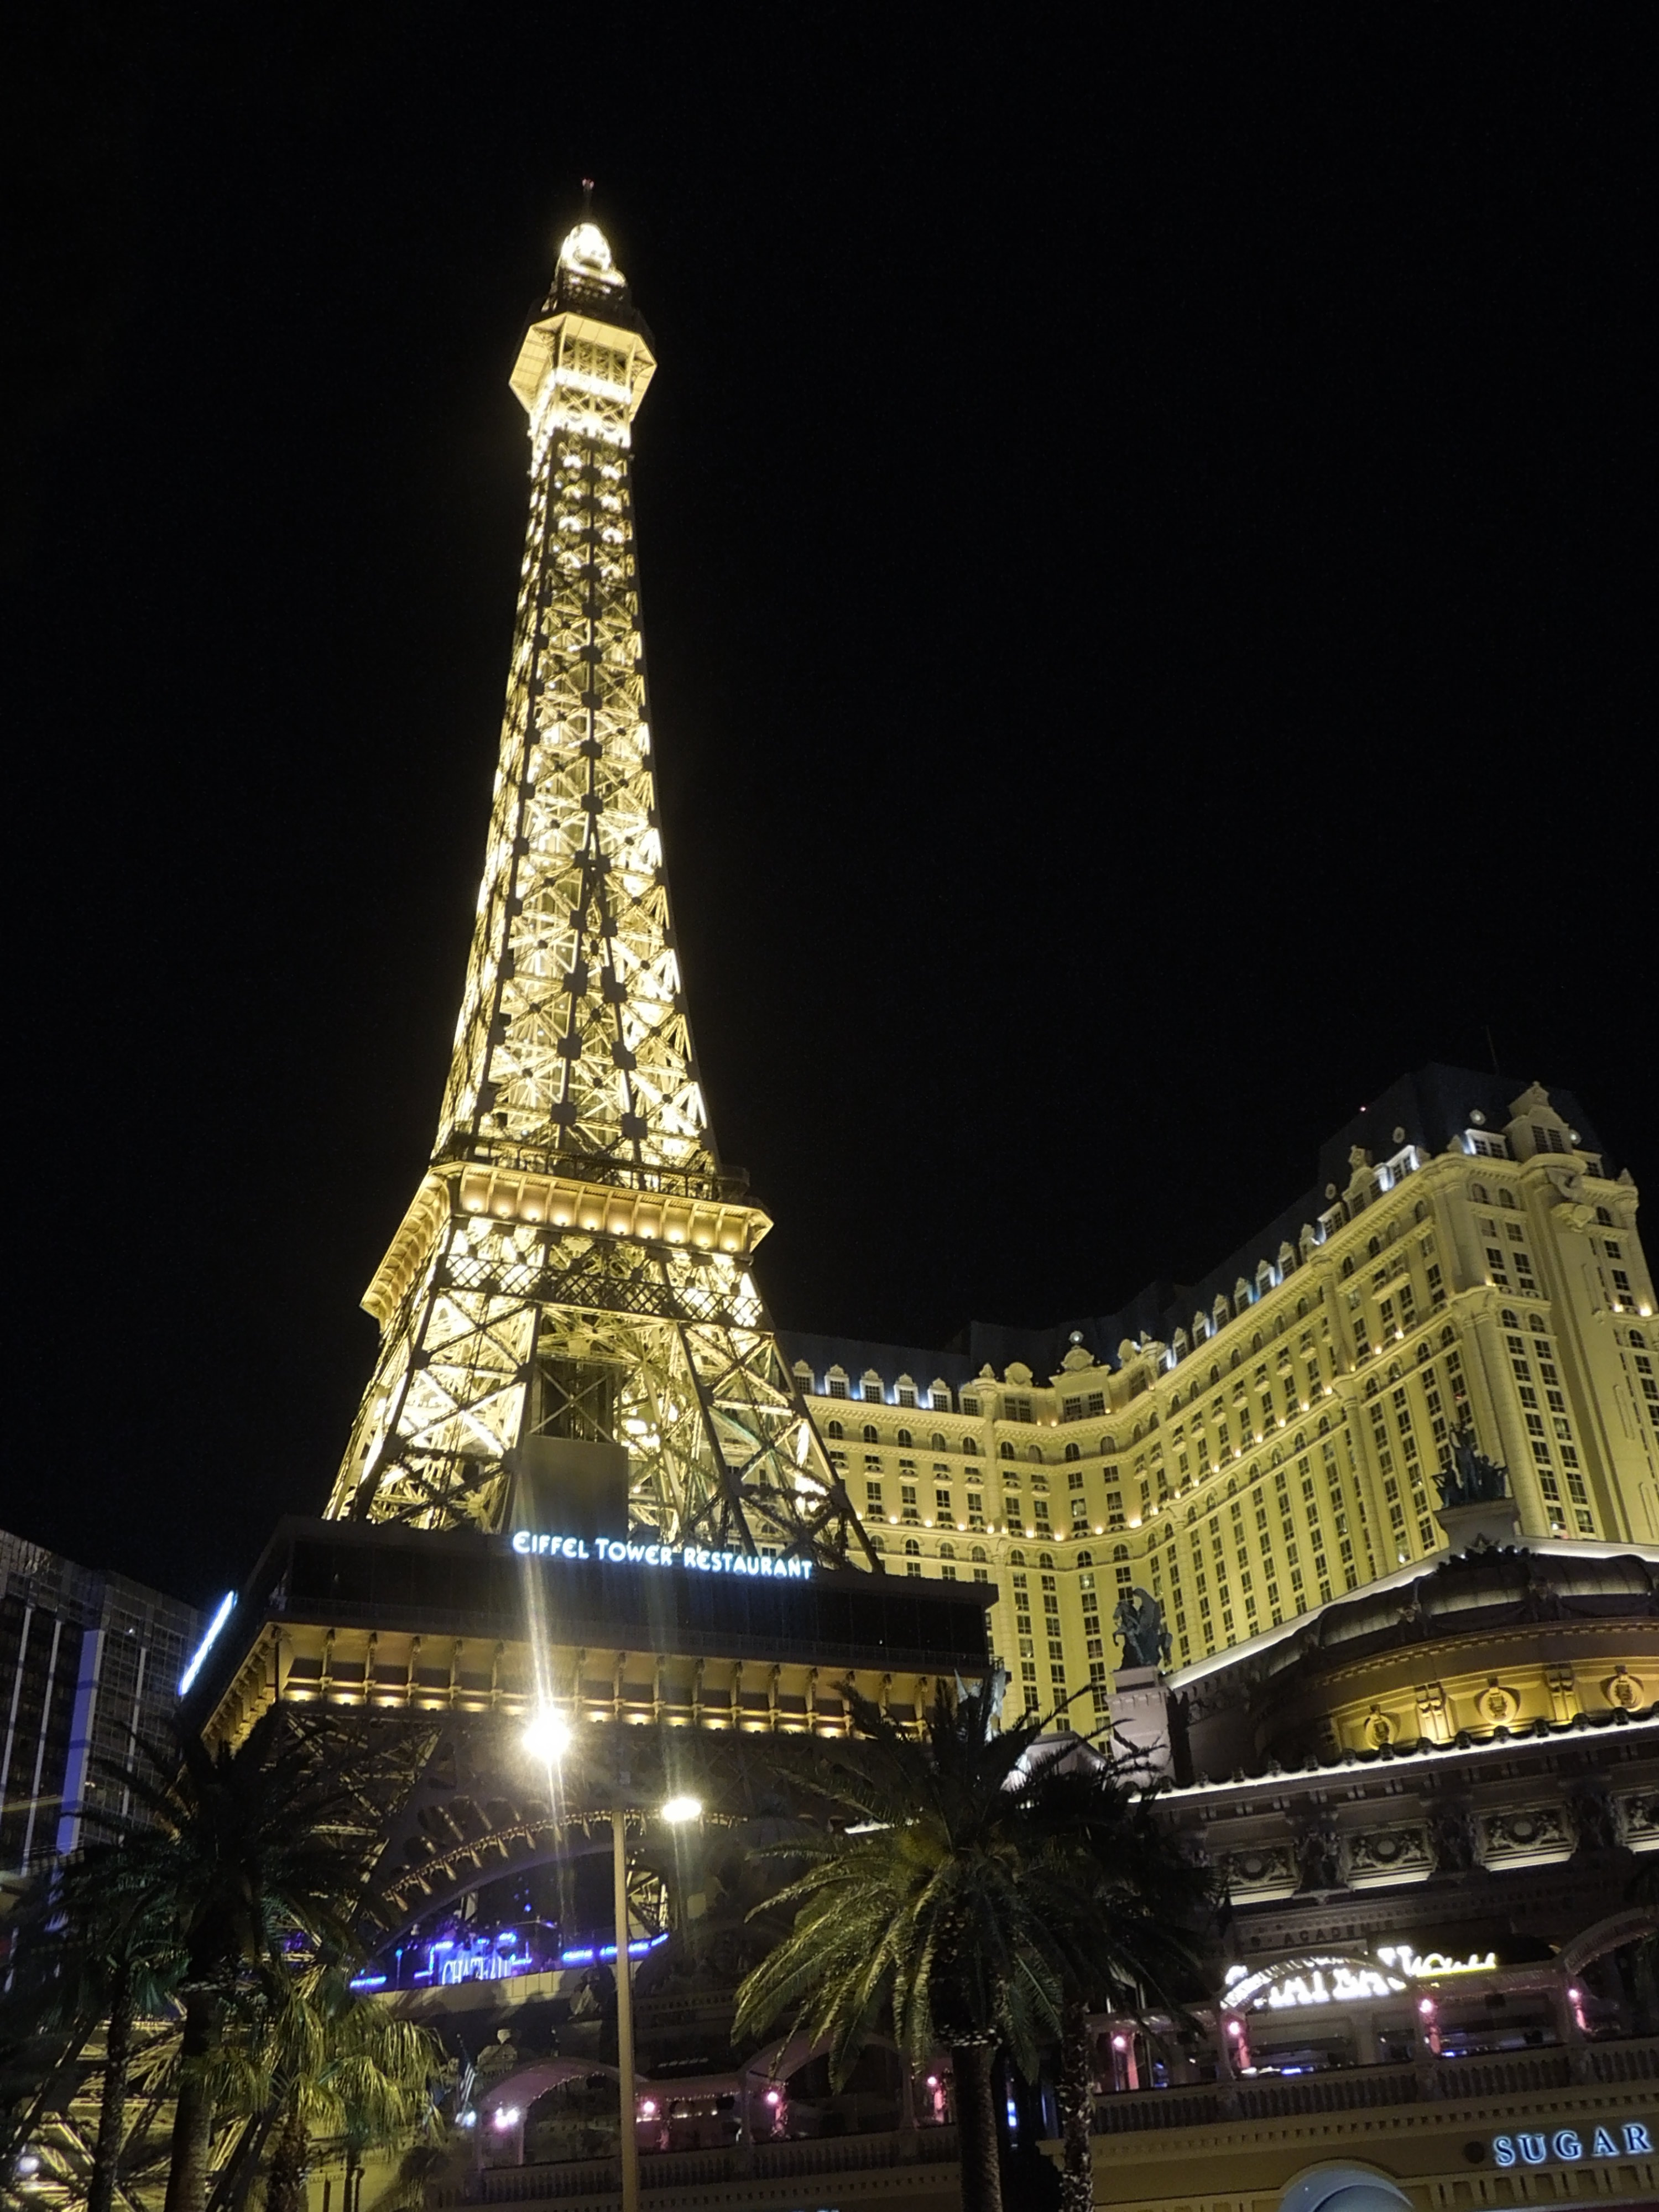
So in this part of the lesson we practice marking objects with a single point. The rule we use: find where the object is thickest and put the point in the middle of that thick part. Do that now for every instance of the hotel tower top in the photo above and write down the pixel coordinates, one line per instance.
(570, 1325)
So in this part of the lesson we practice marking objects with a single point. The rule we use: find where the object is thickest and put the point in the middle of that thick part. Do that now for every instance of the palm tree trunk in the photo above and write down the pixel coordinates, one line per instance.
(285, 2184)
(113, 2099)
(1076, 2109)
(192, 2116)
(976, 2128)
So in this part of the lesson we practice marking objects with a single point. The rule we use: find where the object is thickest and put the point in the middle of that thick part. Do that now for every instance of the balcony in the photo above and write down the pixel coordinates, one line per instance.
(1345, 2089)
(705, 2169)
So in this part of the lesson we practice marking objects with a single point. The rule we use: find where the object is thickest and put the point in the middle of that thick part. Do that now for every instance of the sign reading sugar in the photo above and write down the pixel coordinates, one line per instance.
(1573, 2146)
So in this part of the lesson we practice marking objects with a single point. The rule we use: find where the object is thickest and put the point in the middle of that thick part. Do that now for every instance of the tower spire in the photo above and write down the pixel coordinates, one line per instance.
(567, 1310)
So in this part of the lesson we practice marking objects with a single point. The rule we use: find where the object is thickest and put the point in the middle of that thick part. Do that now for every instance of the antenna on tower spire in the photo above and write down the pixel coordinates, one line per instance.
(587, 197)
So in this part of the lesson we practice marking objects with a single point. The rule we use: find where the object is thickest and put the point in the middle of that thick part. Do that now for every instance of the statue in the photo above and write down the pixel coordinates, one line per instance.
(1319, 1855)
(1138, 1621)
(1471, 1479)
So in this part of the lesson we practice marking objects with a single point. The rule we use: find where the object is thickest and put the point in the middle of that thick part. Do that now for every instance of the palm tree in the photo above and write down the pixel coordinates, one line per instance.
(115, 1957)
(1135, 1908)
(312, 2059)
(956, 1899)
(238, 1854)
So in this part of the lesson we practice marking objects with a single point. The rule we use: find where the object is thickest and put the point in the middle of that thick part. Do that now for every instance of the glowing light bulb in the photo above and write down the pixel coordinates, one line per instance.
(547, 1736)
(678, 1809)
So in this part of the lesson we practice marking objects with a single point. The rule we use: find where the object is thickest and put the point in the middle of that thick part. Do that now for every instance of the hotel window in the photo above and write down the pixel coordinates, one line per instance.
(942, 1503)
(872, 1433)
(1016, 1409)
(905, 1394)
(873, 1390)
(837, 1384)
(872, 1495)
(938, 1399)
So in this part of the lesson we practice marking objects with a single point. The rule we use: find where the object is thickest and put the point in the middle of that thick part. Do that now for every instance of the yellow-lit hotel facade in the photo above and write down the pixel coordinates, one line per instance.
(1269, 1440)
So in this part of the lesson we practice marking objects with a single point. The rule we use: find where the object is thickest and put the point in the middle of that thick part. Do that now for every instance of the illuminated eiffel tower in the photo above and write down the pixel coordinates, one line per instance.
(568, 1313)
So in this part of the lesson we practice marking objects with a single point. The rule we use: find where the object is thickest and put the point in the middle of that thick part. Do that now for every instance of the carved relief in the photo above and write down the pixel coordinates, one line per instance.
(1637, 1816)
(1251, 1875)
(1388, 1855)
(1497, 1705)
(1532, 1835)
(1624, 1691)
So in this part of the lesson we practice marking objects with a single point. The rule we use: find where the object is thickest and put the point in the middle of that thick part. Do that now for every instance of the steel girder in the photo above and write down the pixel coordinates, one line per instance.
(572, 1050)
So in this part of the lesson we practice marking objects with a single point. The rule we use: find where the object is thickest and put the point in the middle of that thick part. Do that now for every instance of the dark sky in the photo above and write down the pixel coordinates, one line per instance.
(1145, 518)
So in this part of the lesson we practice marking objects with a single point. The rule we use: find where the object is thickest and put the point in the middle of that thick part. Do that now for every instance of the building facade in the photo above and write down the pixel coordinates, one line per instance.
(1268, 1441)
(88, 1661)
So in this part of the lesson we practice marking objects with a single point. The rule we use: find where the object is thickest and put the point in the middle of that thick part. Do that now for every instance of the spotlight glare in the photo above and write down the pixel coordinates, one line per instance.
(547, 1736)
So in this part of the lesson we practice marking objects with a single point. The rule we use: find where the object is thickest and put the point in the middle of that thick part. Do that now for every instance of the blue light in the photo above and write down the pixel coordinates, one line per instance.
(207, 1643)
(368, 1982)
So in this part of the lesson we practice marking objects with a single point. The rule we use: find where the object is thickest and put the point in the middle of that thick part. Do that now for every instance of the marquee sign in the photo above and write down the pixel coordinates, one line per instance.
(530, 1543)
(1573, 2146)
(1315, 1981)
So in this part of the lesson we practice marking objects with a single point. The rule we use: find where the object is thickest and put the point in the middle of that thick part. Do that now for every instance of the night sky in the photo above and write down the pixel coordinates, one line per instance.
(1145, 518)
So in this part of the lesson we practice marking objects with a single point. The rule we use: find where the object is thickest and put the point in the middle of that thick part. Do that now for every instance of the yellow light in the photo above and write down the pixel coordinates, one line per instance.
(547, 1736)
(679, 1809)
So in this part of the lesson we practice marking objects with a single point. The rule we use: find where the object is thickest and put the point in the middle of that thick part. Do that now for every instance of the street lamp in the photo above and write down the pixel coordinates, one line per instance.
(548, 1737)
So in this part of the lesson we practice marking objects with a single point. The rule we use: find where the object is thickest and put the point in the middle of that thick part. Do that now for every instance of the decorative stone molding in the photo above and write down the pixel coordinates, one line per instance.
(1380, 1857)
(1529, 1835)
(1258, 1876)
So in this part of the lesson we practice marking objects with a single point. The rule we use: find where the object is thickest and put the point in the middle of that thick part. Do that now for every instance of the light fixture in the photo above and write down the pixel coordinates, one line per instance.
(547, 1735)
(678, 1809)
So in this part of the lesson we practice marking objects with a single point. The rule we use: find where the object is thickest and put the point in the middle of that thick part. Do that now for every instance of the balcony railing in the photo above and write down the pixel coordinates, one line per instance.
(1345, 2089)
(695, 2169)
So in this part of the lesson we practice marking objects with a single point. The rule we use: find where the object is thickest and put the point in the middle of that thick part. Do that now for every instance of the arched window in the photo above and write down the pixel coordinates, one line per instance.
(1255, 1345)
(1423, 1351)
(937, 1442)
(1478, 1192)
(1301, 1309)
(980, 1553)
(1017, 1558)
(834, 1429)
(912, 1549)
(1085, 1559)
(1638, 1340)
(1005, 1451)
(1372, 1386)
(1324, 1424)
(870, 1432)
(1073, 1451)
(1120, 1551)
(1035, 1451)
(906, 1440)
(1215, 1375)
(1510, 1318)
(1237, 1356)
(1420, 1210)
(947, 1551)
(1536, 1320)
(1045, 1559)
(1448, 1334)
(1346, 1268)
(1373, 1247)
(970, 1449)
(1507, 1198)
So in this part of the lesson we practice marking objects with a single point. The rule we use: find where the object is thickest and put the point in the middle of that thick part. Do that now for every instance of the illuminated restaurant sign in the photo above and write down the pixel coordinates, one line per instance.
(531, 1545)
(1571, 2146)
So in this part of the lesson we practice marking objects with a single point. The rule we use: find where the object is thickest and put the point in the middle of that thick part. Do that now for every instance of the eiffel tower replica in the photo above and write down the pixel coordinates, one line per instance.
(567, 1311)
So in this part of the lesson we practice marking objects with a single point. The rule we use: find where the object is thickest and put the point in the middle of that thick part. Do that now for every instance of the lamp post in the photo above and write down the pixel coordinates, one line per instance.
(548, 1738)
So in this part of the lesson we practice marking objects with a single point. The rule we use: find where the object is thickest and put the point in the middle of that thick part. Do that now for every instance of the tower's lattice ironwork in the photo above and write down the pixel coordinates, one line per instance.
(575, 1267)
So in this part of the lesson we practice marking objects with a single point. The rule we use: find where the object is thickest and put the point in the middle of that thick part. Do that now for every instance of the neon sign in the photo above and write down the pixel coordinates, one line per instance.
(1297, 1982)
(1568, 2146)
(1419, 1963)
(529, 1544)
